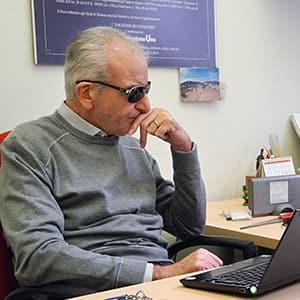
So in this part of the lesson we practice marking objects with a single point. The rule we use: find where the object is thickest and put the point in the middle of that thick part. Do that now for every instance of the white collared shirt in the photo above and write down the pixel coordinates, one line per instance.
(78, 122)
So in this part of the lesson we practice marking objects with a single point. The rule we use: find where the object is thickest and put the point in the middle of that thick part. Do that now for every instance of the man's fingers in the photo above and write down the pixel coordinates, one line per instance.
(213, 260)
(207, 260)
(164, 128)
(218, 260)
(157, 122)
(146, 123)
(143, 120)
(137, 123)
(143, 136)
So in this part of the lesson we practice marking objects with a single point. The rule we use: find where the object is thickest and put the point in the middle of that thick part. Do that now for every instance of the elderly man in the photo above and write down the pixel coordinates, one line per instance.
(82, 203)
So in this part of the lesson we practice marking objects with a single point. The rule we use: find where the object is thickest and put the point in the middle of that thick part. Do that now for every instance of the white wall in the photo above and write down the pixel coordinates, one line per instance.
(258, 50)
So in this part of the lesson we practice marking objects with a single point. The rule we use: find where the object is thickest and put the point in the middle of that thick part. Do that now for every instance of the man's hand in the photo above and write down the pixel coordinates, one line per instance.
(160, 123)
(198, 260)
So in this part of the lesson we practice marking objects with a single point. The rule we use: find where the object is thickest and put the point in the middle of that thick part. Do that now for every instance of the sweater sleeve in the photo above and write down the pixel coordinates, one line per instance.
(33, 224)
(184, 207)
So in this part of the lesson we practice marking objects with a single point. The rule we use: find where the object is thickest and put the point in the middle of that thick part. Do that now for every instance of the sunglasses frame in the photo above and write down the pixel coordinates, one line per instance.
(128, 92)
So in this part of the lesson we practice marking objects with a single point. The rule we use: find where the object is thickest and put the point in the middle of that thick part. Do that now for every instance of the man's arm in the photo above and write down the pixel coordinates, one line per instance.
(184, 208)
(33, 224)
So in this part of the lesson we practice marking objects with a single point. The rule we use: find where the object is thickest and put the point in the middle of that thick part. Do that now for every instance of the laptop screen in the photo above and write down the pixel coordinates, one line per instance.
(285, 263)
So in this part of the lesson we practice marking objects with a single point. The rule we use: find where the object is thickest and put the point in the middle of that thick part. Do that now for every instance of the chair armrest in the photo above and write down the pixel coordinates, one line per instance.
(247, 247)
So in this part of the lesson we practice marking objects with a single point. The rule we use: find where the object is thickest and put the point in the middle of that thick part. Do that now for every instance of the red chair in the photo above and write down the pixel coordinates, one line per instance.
(7, 279)
(3, 135)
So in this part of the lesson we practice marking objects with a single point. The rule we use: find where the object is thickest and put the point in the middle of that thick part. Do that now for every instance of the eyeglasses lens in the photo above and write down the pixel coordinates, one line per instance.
(138, 93)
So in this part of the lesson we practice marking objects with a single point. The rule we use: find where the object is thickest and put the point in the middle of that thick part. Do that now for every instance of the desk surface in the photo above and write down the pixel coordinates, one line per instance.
(264, 236)
(171, 289)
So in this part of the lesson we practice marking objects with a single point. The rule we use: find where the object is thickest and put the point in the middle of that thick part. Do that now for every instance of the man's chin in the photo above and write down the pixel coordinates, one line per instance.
(122, 132)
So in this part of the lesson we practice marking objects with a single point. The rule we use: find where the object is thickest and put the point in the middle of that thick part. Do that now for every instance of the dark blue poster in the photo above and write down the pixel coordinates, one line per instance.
(175, 33)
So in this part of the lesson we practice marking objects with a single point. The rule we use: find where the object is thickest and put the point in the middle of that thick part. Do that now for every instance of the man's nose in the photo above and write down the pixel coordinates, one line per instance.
(144, 104)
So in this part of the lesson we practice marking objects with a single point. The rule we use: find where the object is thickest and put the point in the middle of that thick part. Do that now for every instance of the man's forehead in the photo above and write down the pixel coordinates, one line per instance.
(120, 56)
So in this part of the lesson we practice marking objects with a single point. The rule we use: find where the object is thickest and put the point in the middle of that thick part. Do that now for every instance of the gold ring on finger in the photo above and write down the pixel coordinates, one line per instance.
(156, 124)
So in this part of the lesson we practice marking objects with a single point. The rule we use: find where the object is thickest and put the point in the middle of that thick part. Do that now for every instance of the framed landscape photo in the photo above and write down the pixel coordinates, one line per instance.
(199, 84)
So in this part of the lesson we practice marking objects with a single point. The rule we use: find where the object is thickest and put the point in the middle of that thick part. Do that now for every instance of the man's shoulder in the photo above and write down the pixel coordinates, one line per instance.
(33, 124)
(37, 133)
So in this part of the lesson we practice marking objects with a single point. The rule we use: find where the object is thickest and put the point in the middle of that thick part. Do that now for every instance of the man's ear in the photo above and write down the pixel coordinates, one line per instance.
(85, 92)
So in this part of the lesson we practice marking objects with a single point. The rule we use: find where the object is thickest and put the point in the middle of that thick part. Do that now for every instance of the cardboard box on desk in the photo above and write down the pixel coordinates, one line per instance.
(267, 194)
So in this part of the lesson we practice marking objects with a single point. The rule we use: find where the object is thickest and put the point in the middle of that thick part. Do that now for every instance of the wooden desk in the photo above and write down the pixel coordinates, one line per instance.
(264, 236)
(171, 289)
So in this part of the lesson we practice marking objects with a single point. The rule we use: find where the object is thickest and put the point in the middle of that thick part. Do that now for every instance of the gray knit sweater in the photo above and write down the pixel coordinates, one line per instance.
(88, 211)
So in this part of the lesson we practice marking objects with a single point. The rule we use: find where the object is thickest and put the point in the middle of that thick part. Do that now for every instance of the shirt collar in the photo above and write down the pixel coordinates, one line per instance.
(79, 123)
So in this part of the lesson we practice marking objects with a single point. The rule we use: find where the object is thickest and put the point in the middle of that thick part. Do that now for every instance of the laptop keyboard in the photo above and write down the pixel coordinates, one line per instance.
(243, 277)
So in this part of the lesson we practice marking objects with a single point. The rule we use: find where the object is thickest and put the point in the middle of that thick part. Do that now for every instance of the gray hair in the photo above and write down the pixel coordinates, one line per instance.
(87, 55)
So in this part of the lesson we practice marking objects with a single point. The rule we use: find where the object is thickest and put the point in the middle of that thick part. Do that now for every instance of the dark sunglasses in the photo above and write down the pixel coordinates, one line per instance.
(134, 94)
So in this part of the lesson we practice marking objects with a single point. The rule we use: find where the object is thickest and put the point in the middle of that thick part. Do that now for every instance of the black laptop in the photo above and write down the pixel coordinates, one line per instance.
(256, 275)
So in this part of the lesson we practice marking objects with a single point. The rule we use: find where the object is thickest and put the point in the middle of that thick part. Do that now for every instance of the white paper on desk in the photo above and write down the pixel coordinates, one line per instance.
(279, 192)
(242, 215)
